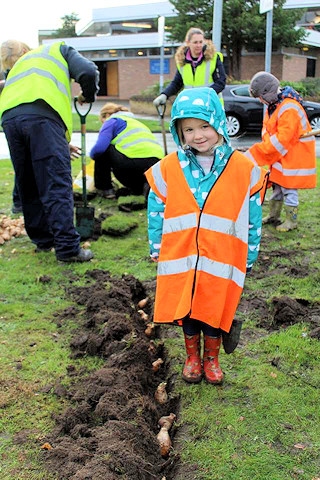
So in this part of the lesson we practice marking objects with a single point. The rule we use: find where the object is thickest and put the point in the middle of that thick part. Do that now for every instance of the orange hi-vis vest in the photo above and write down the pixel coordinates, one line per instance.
(292, 159)
(202, 261)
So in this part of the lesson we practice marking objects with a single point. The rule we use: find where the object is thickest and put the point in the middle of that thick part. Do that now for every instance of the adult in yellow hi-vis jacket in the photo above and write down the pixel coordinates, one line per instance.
(204, 225)
(36, 116)
(198, 65)
(290, 157)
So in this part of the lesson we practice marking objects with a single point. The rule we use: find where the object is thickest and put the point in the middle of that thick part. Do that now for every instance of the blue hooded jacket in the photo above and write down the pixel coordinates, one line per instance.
(202, 103)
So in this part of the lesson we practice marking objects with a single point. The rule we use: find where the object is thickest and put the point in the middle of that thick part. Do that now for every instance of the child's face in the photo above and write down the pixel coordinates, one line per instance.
(199, 135)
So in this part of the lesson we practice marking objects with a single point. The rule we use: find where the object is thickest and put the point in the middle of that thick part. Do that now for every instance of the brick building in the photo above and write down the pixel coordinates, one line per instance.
(131, 55)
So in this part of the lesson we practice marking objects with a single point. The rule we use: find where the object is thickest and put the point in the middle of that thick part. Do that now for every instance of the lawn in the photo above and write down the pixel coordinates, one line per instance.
(262, 424)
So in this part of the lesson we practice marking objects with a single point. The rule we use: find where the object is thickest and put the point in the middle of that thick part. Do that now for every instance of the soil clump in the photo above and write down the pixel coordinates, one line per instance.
(109, 431)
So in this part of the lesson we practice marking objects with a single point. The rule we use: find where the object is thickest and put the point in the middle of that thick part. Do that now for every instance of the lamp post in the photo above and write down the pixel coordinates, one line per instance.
(266, 6)
(217, 24)
(161, 22)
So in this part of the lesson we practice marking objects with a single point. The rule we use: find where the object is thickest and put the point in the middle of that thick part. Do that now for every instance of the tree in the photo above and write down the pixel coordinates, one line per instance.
(242, 26)
(68, 28)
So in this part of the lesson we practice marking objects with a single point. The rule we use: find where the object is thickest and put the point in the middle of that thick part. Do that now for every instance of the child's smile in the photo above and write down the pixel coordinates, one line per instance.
(199, 135)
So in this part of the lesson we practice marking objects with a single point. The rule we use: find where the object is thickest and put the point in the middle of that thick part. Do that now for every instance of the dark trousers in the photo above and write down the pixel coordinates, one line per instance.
(15, 195)
(128, 171)
(193, 327)
(41, 158)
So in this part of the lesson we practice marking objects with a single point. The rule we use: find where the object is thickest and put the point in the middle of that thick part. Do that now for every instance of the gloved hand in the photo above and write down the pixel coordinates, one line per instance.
(161, 100)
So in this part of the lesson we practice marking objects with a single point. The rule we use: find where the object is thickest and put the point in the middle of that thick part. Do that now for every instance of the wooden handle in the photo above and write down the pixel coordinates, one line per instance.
(311, 133)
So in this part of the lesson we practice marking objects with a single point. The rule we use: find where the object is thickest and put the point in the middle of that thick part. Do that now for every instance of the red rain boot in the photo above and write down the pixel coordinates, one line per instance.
(192, 372)
(212, 371)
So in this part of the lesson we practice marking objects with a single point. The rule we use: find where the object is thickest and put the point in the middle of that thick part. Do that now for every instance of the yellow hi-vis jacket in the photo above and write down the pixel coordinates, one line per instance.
(203, 254)
(202, 75)
(41, 74)
(136, 140)
(292, 159)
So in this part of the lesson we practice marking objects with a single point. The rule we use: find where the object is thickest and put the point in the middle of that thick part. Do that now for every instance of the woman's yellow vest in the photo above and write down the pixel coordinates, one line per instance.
(202, 74)
(136, 140)
(41, 74)
(203, 255)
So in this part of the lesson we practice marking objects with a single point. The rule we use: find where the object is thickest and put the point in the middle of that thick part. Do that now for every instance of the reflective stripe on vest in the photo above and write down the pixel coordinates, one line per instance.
(283, 108)
(159, 181)
(204, 264)
(301, 172)
(205, 70)
(209, 222)
(298, 108)
(41, 74)
(202, 75)
(135, 141)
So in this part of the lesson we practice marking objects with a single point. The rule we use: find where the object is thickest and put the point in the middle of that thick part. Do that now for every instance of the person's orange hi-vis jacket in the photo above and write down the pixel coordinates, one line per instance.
(292, 159)
(202, 262)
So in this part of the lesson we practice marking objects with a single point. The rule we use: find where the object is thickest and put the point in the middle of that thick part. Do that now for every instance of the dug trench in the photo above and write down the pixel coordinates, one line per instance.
(110, 429)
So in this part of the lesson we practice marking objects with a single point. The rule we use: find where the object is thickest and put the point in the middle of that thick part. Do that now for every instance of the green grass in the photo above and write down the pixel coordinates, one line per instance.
(93, 123)
(262, 424)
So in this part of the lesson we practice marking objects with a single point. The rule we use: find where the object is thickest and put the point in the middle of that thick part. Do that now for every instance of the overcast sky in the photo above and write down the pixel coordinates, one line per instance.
(21, 20)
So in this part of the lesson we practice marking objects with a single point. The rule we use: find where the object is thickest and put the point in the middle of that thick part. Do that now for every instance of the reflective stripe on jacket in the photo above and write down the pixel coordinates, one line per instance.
(136, 140)
(292, 159)
(202, 262)
(41, 74)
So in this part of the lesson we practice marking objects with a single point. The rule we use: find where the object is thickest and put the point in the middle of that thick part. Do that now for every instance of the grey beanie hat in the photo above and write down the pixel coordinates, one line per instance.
(266, 86)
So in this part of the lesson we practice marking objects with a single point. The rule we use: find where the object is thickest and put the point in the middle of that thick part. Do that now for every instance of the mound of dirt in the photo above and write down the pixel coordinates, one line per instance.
(110, 431)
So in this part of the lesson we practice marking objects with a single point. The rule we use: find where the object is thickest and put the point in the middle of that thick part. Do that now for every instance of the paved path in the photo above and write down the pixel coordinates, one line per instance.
(76, 140)
(246, 140)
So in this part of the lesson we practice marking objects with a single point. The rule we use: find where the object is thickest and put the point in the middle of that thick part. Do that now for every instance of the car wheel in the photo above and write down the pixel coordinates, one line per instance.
(233, 126)
(315, 123)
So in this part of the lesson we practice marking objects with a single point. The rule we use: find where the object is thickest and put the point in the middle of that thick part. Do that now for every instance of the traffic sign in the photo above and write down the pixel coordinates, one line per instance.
(265, 6)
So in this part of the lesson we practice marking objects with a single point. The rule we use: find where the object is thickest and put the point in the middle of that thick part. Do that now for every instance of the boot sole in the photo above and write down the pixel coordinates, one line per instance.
(213, 383)
(272, 222)
(286, 229)
(192, 380)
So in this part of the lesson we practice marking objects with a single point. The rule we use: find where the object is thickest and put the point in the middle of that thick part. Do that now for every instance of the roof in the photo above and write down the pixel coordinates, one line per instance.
(312, 39)
(95, 34)
(146, 11)
(140, 40)
(302, 4)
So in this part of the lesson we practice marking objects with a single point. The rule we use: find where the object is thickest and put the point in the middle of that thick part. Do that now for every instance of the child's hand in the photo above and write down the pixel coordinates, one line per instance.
(154, 257)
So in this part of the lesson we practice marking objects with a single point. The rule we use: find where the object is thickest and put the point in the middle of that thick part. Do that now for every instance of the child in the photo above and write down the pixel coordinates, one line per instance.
(204, 224)
(292, 159)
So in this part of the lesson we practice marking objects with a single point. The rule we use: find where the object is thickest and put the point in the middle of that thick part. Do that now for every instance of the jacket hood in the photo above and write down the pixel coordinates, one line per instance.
(208, 53)
(202, 103)
(265, 85)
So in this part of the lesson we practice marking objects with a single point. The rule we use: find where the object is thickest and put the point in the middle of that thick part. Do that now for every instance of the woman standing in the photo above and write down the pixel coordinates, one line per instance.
(198, 65)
